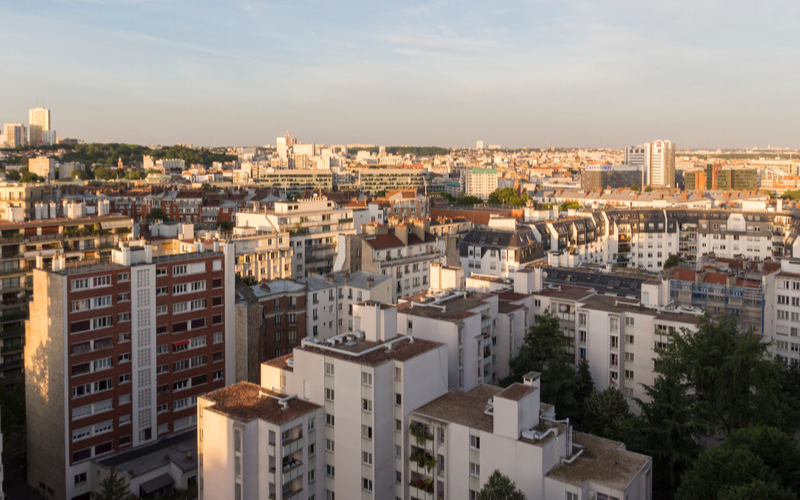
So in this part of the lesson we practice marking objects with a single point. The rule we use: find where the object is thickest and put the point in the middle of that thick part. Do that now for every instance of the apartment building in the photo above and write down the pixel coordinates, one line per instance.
(403, 252)
(331, 298)
(256, 443)
(270, 321)
(404, 204)
(43, 166)
(782, 312)
(368, 382)
(26, 245)
(296, 180)
(499, 250)
(117, 354)
(479, 182)
(465, 323)
(18, 201)
(462, 437)
(313, 225)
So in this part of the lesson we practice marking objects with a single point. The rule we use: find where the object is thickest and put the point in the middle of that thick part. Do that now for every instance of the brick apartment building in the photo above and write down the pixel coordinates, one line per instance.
(117, 354)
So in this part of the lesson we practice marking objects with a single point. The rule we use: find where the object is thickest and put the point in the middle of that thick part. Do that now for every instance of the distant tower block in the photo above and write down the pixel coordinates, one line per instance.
(478, 144)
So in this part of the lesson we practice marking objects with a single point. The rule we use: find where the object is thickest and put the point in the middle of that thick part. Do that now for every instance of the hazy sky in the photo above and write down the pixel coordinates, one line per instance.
(703, 73)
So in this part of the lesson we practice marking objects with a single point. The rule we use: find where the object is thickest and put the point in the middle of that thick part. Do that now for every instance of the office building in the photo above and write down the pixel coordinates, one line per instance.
(611, 176)
(38, 124)
(117, 354)
(380, 180)
(657, 158)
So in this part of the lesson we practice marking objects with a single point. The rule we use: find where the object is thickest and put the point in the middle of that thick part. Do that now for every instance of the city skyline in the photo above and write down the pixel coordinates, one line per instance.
(541, 75)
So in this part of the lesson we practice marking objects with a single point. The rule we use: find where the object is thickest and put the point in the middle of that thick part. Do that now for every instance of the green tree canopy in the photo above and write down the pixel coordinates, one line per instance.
(159, 214)
(635, 187)
(570, 205)
(544, 350)
(500, 487)
(583, 391)
(608, 415)
(672, 261)
(755, 462)
(648, 189)
(734, 381)
(114, 487)
(80, 175)
(507, 196)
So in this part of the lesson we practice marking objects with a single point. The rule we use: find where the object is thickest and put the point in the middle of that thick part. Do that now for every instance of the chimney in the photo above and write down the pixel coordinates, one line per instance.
(39, 260)
(329, 278)
(346, 277)
(370, 281)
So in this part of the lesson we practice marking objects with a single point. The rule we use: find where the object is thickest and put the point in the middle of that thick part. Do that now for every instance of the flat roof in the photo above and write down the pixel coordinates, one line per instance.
(244, 401)
(455, 309)
(400, 351)
(602, 461)
(463, 408)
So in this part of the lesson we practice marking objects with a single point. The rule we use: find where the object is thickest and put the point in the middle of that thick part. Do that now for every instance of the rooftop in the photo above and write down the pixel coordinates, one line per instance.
(358, 279)
(368, 353)
(454, 307)
(244, 401)
(603, 461)
(463, 408)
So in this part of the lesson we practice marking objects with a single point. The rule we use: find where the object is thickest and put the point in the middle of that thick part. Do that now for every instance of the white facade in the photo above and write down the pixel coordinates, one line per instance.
(480, 182)
(38, 123)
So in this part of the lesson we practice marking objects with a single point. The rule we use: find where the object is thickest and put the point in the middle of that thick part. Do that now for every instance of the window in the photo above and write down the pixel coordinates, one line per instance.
(366, 404)
(122, 317)
(366, 484)
(161, 271)
(330, 419)
(366, 378)
(329, 369)
(475, 442)
(330, 470)
(162, 349)
(366, 431)
(217, 337)
(162, 290)
(398, 424)
(398, 399)
(629, 374)
(123, 277)
(161, 310)
(80, 479)
(125, 378)
(329, 394)
(474, 469)
(398, 373)
(329, 445)
(103, 364)
(366, 457)
(398, 477)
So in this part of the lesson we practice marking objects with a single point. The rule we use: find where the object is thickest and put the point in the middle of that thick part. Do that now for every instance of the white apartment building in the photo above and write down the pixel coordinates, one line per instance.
(461, 438)
(465, 322)
(256, 443)
(480, 182)
(15, 135)
(368, 383)
(782, 312)
(500, 250)
(330, 300)
(38, 124)
(313, 225)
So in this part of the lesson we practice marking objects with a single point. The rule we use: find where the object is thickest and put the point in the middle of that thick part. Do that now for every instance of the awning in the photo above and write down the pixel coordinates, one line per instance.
(114, 224)
(156, 484)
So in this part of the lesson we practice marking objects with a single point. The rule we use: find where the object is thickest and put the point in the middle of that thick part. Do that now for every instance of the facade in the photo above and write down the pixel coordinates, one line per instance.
(15, 134)
(611, 176)
(18, 200)
(117, 354)
(499, 251)
(270, 321)
(368, 382)
(465, 323)
(782, 313)
(658, 160)
(404, 252)
(313, 225)
(38, 124)
(463, 436)
(26, 245)
(479, 182)
(378, 180)
(256, 443)
(297, 180)
(43, 166)
(404, 204)
(331, 299)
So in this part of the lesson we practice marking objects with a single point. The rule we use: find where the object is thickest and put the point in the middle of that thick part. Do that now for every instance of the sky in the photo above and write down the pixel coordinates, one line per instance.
(537, 73)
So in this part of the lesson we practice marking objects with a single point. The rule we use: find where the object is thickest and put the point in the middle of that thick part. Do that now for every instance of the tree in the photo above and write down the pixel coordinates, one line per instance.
(249, 280)
(584, 390)
(30, 177)
(500, 487)
(544, 350)
(507, 196)
(673, 260)
(734, 381)
(12, 175)
(114, 487)
(608, 415)
(226, 225)
(80, 175)
(667, 426)
(570, 205)
(648, 189)
(635, 187)
(159, 214)
(755, 462)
